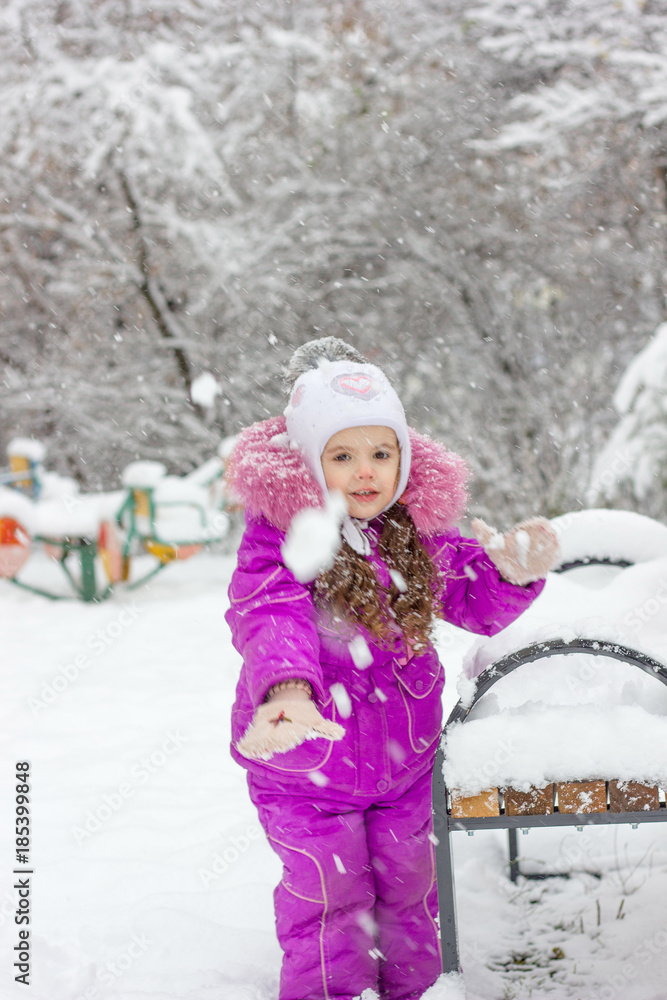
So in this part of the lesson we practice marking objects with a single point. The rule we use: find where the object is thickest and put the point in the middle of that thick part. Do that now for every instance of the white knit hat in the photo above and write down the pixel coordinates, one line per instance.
(341, 394)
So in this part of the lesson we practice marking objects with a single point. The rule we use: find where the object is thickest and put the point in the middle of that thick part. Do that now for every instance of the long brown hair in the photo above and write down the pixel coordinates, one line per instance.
(351, 590)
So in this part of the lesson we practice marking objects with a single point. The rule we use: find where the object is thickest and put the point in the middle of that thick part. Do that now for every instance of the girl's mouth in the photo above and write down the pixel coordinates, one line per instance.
(365, 495)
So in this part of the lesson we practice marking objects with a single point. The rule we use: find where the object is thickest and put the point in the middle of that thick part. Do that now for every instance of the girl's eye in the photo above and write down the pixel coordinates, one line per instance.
(382, 454)
(343, 457)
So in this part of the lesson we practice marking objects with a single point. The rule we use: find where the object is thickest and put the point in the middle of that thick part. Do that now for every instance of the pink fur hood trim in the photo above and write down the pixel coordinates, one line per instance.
(271, 479)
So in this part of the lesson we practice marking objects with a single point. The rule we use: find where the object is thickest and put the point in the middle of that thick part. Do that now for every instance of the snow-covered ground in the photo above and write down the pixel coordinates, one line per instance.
(151, 876)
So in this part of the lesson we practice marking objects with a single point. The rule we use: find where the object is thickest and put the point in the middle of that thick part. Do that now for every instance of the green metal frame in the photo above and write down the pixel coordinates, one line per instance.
(84, 588)
(127, 519)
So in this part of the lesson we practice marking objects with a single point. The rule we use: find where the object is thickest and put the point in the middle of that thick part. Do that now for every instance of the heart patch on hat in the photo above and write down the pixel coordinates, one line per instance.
(357, 385)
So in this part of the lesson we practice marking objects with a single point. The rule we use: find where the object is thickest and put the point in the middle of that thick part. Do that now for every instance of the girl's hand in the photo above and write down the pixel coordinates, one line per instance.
(524, 553)
(283, 722)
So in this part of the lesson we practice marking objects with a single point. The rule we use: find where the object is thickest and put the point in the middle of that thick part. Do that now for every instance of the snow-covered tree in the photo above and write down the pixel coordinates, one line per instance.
(633, 465)
(195, 187)
(578, 121)
(575, 64)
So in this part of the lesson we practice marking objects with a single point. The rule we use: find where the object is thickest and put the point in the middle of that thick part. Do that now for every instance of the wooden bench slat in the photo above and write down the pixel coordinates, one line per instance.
(581, 796)
(536, 801)
(632, 796)
(485, 804)
(571, 797)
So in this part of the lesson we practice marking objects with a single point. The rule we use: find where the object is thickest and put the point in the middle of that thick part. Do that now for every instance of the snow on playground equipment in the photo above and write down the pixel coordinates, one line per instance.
(537, 764)
(25, 471)
(95, 538)
(169, 517)
(40, 506)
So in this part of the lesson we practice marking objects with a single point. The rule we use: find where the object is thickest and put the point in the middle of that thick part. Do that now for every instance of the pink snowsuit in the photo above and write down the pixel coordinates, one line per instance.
(351, 820)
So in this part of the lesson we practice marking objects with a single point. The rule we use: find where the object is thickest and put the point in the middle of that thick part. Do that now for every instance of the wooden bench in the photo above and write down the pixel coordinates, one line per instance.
(601, 801)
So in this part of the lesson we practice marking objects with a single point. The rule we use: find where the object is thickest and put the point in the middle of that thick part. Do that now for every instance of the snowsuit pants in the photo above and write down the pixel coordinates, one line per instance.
(357, 903)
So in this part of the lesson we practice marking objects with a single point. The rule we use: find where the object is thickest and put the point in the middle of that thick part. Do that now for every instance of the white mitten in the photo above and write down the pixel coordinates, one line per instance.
(283, 722)
(524, 553)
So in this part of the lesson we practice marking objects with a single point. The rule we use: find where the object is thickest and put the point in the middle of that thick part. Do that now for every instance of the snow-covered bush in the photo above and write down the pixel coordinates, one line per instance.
(634, 460)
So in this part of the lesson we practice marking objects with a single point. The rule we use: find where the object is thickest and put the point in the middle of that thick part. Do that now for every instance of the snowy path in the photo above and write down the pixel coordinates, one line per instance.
(152, 880)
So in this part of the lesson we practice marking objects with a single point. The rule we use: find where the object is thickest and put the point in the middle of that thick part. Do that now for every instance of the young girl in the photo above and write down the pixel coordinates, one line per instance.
(338, 708)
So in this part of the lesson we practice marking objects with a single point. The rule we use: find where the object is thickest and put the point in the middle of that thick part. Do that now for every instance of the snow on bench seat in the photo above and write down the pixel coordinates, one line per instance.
(630, 610)
(564, 743)
(616, 535)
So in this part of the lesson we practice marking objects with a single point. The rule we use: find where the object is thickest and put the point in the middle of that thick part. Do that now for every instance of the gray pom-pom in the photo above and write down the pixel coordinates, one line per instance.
(309, 356)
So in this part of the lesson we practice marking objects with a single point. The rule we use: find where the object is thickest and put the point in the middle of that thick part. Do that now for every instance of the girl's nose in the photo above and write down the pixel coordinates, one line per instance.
(365, 471)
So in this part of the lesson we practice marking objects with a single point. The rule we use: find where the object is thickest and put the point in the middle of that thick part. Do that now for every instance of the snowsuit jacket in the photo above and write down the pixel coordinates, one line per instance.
(395, 715)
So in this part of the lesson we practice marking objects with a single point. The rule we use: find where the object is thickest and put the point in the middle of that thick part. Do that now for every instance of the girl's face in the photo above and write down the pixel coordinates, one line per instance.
(363, 463)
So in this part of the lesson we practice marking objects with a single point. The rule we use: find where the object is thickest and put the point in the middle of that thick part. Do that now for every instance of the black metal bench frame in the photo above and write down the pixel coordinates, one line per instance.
(445, 824)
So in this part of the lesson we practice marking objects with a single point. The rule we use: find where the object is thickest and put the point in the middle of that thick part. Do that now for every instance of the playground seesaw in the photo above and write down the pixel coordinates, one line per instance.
(106, 540)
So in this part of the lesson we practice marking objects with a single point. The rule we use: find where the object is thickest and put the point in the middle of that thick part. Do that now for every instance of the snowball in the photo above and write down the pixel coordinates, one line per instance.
(204, 389)
(360, 653)
(314, 539)
(340, 867)
(342, 700)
